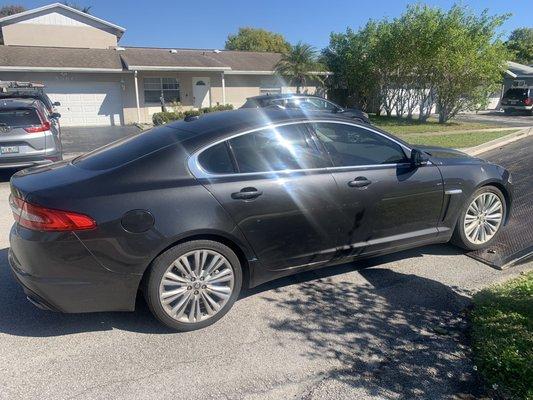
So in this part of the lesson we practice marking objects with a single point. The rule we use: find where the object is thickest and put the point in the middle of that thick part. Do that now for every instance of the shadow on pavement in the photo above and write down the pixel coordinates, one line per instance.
(397, 336)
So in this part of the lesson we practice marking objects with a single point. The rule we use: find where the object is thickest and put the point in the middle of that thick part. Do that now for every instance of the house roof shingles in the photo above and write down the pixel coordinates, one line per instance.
(131, 57)
(56, 57)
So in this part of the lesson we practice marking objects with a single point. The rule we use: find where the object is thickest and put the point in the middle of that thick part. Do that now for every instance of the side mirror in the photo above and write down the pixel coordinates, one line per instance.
(56, 104)
(418, 158)
(55, 115)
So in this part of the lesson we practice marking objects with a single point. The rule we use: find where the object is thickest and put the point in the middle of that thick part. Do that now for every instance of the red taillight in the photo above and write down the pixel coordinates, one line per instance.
(528, 101)
(45, 126)
(40, 218)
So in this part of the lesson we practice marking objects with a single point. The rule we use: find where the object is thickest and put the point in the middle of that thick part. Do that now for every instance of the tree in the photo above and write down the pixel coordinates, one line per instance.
(426, 56)
(11, 9)
(468, 62)
(86, 9)
(520, 44)
(8, 10)
(253, 39)
(300, 65)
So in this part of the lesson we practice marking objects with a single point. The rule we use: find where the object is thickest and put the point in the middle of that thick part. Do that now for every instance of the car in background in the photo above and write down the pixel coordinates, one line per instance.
(29, 133)
(518, 99)
(305, 102)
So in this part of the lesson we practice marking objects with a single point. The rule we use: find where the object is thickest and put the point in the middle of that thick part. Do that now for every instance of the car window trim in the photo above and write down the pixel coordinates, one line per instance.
(196, 169)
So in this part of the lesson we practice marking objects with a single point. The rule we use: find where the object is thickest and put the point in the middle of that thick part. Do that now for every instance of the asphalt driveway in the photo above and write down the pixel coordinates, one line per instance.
(84, 139)
(393, 327)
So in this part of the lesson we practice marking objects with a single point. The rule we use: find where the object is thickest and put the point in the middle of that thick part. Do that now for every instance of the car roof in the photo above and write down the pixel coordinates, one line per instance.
(282, 96)
(11, 103)
(216, 126)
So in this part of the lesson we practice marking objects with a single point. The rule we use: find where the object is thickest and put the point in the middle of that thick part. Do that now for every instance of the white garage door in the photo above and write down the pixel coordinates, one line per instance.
(87, 103)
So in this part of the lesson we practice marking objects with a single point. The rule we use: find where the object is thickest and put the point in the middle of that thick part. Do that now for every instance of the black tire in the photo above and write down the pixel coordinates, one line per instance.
(460, 238)
(507, 111)
(159, 267)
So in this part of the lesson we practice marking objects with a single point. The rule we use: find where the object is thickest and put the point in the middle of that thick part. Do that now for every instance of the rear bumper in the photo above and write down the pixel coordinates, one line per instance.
(517, 107)
(58, 273)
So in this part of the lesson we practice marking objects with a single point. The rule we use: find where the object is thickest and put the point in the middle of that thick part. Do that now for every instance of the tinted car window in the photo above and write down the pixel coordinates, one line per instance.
(16, 118)
(216, 159)
(277, 149)
(351, 145)
(515, 93)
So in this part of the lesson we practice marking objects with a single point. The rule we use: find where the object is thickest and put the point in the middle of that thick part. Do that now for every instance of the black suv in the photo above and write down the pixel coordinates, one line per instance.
(518, 99)
(304, 102)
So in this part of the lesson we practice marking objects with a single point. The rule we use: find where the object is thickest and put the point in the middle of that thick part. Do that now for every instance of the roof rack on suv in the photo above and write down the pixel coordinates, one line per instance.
(17, 86)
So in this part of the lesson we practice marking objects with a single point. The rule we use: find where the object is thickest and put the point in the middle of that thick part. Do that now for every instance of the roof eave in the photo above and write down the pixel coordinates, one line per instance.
(174, 68)
(60, 69)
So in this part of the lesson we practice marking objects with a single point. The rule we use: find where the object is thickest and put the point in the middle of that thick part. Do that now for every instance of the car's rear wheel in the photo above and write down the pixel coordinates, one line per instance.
(193, 284)
(481, 220)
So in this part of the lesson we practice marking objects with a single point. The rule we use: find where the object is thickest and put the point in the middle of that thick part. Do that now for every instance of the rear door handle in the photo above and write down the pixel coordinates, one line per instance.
(247, 193)
(359, 182)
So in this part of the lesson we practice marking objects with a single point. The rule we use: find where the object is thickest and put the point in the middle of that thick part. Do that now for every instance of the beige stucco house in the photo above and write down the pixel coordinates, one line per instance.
(79, 58)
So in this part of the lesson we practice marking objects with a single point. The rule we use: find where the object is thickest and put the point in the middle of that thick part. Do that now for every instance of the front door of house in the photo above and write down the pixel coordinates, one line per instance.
(201, 91)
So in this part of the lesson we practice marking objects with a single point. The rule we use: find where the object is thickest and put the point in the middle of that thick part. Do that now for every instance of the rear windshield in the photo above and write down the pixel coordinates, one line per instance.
(19, 117)
(516, 93)
(131, 148)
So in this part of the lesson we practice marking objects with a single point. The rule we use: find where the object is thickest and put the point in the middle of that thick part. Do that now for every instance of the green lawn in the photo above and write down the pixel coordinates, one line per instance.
(454, 140)
(402, 125)
(502, 337)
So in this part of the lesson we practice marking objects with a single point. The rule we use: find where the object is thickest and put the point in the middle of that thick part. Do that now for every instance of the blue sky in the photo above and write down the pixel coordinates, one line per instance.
(206, 23)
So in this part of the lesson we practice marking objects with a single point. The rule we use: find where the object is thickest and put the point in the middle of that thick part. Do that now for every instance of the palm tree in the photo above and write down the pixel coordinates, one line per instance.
(299, 65)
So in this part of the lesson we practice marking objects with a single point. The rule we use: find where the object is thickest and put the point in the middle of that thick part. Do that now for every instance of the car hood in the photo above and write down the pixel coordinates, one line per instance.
(443, 156)
(354, 112)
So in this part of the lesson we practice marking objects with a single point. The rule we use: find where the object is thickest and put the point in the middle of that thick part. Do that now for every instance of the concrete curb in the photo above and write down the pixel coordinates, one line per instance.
(500, 142)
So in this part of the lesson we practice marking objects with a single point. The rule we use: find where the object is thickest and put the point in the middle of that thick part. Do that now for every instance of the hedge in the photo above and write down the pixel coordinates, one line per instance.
(161, 118)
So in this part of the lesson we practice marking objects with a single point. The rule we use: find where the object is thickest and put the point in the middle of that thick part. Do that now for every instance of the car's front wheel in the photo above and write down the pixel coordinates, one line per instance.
(481, 220)
(192, 285)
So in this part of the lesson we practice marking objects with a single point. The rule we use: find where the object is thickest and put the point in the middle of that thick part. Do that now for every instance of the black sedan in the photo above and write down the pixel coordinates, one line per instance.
(191, 212)
(306, 103)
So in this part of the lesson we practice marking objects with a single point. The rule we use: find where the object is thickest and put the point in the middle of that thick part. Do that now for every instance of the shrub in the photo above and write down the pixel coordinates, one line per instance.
(162, 118)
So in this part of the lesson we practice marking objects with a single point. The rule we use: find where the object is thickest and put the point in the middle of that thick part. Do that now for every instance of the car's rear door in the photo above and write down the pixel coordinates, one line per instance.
(402, 203)
(281, 196)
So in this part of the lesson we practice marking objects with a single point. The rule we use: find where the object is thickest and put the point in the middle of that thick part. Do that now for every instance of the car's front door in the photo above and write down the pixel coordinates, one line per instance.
(282, 195)
(402, 203)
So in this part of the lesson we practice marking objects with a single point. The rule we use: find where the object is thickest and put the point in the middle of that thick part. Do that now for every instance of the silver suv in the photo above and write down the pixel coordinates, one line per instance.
(29, 133)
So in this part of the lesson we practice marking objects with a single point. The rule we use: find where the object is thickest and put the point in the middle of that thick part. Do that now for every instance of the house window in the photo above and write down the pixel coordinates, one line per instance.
(269, 85)
(168, 88)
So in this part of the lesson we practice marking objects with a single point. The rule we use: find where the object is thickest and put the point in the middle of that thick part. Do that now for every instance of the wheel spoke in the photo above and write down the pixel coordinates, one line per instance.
(224, 276)
(216, 262)
(180, 307)
(170, 296)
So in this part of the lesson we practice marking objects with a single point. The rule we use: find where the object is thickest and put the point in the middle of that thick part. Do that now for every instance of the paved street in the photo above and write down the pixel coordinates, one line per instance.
(498, 118)
(388, 328)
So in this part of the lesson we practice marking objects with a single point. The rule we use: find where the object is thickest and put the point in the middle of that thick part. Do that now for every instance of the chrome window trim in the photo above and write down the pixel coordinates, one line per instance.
(197, 171)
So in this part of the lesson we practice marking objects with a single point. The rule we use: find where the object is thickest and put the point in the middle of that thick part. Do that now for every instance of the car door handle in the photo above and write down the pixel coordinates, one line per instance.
(359, 182)
(246, 193)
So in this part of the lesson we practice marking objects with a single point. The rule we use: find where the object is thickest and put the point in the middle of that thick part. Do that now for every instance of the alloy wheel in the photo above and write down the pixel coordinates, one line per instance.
(483, 218)
(196, 286)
